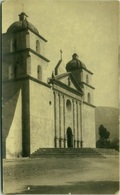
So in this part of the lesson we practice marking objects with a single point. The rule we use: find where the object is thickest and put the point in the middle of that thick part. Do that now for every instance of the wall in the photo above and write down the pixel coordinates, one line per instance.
(41, 117)
(14, 138)
(88, 126)
(12, 120)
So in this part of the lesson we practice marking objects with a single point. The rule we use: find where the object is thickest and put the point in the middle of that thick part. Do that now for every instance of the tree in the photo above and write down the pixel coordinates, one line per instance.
(103, 141)
(104, 134)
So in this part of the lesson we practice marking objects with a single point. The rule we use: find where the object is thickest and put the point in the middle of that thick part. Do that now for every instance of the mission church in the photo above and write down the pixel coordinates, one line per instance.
(41, 111)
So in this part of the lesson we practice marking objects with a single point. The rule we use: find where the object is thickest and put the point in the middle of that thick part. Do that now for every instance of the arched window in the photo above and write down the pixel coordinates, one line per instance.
(39, 72)
(37, 46)
(89, 98)
(87, 79)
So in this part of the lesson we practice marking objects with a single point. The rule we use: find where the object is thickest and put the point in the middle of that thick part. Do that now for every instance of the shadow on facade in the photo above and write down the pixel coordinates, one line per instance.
(8, 105)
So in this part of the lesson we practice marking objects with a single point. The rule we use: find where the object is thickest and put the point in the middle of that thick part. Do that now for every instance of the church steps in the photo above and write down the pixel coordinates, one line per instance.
(66, 152)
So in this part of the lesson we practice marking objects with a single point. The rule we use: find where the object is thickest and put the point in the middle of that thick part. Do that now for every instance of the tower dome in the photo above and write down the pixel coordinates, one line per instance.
(74, 64)
(22, 24)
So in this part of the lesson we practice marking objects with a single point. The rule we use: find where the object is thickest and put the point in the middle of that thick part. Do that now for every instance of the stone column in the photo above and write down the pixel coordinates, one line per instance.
(64, 121)
(81, 125)
(78, 124)
(57, 120)
(75, 114)
(26, 118)
(74, 124)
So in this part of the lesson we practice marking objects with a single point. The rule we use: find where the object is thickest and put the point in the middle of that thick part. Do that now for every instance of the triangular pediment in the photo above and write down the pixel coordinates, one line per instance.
(69, 80)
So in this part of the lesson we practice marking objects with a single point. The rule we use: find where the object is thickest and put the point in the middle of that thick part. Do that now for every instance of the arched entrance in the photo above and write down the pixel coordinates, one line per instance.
(69, 138)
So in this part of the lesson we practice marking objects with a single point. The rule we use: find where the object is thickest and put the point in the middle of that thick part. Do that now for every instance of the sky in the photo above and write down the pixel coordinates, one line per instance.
(88, 28)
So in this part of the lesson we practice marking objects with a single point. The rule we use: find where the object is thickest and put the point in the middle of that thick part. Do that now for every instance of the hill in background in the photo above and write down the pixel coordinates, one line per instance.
(109, 117)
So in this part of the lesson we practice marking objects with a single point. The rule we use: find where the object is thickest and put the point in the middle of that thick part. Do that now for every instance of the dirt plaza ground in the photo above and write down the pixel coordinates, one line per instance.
(61, 175)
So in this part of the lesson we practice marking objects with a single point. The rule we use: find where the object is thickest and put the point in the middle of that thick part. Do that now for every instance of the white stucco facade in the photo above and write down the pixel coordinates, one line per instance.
(47, 112)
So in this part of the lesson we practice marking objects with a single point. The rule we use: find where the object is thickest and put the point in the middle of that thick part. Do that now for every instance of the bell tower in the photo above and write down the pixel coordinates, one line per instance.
(82, 76)
(24, 51)
(23, 73)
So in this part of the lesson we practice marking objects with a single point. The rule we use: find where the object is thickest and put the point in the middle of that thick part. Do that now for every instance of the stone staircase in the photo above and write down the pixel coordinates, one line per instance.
(65, 153)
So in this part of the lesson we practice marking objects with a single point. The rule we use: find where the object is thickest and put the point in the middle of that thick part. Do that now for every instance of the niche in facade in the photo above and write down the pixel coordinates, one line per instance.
(68, 105)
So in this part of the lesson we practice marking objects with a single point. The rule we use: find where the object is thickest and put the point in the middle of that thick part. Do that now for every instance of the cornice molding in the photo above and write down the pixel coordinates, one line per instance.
(27, 50)
(27, 77)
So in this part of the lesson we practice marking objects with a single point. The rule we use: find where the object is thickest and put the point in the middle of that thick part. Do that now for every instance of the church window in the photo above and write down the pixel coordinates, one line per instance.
(89, 98)
(37, 46)
(39, 72)
(68, 105)
(87, 79)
